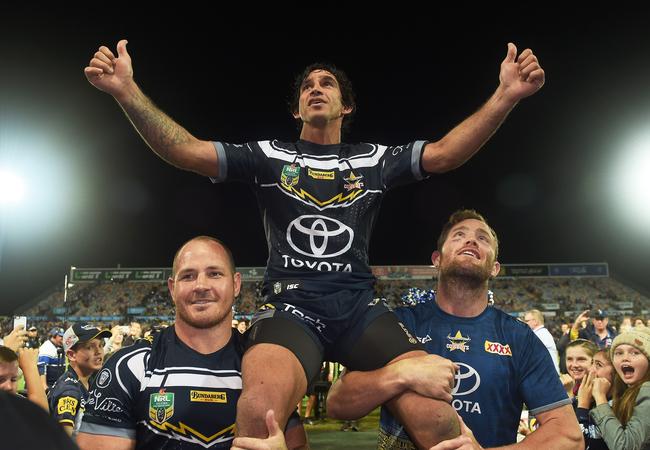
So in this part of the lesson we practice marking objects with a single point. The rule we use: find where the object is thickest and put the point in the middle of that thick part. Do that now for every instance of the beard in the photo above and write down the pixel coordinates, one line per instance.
(202, 321)
(469, 276)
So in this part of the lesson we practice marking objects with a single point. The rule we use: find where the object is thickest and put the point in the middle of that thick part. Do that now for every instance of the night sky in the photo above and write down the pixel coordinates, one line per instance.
(100, 197)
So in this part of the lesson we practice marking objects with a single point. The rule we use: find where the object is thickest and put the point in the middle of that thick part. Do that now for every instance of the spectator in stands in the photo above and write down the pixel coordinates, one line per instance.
(51, 358)
(626, 324)
(535, 320)
(84, 346)
(32, 338)
(579, 359)
(242, 326)
(601, 368)
(26, 361)
(626, 424)
(561, 345)
(599, 332)
(114, 343)
(235, 323)
(639, 323)
(135, 333)
(500, 363)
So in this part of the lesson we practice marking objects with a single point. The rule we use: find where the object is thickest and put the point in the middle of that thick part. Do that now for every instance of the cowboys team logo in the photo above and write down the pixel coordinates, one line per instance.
(497, 349)
(290, 175)
(353, 182)
(161, 406)
(458, 342)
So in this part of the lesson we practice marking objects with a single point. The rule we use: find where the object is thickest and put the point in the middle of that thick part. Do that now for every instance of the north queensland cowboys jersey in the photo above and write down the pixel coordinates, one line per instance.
(166, 395)
(67, 400)
(319, 204)
(502, 365)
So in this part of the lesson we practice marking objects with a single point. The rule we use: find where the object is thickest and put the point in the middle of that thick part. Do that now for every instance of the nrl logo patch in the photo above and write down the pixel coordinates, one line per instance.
(458, 342)
(290, 175)
(161, 406)
(353, 182)
(497, 349)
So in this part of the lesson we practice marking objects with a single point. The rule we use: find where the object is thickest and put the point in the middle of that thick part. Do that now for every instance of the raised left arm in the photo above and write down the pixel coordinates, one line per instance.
(519, 77)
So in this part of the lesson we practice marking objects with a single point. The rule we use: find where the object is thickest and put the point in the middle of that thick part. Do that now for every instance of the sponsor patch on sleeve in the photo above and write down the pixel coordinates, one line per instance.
(497, 348)
(67, 405)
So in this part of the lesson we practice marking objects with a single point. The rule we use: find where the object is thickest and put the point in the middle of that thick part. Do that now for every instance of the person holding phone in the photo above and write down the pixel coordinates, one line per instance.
(599, 332)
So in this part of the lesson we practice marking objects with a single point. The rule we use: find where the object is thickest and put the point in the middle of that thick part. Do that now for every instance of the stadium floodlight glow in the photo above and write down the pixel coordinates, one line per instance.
(12, 187)
(632, 179)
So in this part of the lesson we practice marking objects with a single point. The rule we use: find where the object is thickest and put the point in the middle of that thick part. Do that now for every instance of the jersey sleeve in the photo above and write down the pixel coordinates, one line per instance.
(539, 382)
(66, 405)
(406, 315)
(113, 394)
(237, 162)
(401, 164)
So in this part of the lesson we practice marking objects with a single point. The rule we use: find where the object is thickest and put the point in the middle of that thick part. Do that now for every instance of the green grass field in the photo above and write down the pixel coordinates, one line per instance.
(326, 434)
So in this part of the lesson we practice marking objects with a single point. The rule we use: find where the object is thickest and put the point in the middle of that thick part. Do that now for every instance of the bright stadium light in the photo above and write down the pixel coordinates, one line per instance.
(631, 180)
(12, 187)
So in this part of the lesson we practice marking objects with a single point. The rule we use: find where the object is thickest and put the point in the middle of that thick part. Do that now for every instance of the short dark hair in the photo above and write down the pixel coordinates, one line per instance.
(7, 355)
(345, 86)
(459, 216)
(231, 260)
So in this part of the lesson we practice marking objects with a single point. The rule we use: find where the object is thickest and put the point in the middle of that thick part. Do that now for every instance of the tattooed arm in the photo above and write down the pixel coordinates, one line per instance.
(167, 139)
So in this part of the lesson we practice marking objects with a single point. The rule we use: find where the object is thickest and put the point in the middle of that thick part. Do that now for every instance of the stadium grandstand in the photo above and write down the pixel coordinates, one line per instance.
(112, 296)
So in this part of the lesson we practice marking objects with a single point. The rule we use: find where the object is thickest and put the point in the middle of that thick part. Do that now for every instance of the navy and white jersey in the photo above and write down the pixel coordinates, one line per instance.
(319, 204)
(51, 362)
(165, 395)
(502, 366)
(67, 400)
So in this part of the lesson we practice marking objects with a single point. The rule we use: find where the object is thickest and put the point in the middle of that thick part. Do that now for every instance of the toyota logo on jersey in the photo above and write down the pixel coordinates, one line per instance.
(467, 380)
(319, 236)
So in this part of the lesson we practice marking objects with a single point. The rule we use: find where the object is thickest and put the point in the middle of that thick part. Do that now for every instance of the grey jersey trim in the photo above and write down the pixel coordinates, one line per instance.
(541, 409)
(416, 156)
(93, 428)
(223, 164)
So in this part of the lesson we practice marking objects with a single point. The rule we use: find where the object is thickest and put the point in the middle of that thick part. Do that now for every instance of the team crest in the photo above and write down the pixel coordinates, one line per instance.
(458, 342)
(290, 175)
(353, 182)
(161, 406)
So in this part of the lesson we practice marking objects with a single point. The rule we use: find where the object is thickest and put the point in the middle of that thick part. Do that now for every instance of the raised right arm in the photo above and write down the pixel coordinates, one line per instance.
(163, 135)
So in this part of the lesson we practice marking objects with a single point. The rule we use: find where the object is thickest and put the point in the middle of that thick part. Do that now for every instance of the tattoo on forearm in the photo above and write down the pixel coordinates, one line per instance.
(158, 130)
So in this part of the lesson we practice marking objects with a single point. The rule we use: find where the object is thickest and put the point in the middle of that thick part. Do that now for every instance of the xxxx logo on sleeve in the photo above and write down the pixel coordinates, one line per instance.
(497, 348)
(161, 406)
